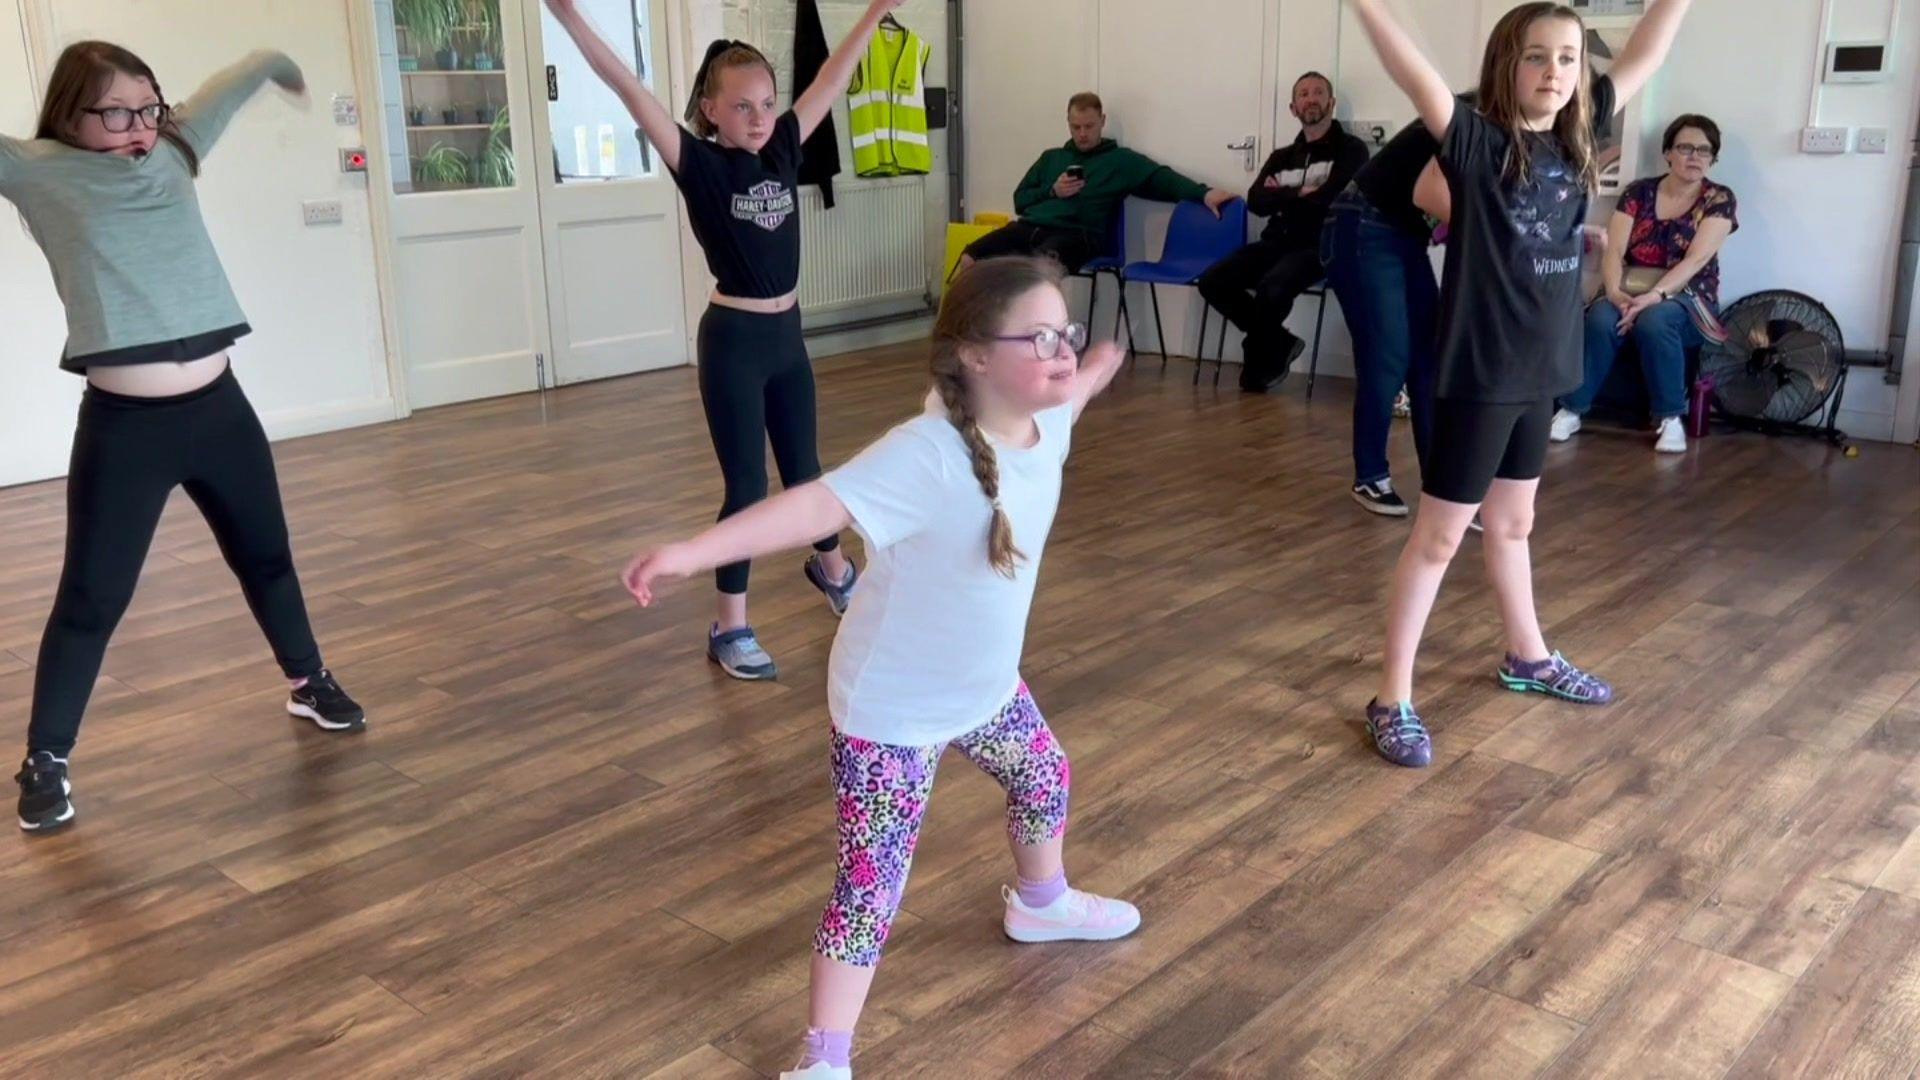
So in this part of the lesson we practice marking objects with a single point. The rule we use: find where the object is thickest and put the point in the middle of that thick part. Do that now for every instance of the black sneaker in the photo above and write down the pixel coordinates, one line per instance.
(1264, 376)
(323, 702)
(46, 801)
(1379, 497)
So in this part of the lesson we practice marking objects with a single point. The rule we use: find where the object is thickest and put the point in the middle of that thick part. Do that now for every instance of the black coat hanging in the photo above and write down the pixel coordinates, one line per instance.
(820, 154)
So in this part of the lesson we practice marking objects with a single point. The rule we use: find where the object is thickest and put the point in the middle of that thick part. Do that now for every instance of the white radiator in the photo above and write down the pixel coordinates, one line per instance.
(872, 246)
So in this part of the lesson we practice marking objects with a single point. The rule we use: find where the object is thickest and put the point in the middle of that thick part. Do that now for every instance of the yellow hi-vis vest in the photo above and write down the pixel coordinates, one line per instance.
(887, 107)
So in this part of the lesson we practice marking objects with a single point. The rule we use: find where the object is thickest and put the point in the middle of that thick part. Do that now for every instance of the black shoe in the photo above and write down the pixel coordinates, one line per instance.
(46, 795)
(323, 702)
(1379, 497)
(1294, 350)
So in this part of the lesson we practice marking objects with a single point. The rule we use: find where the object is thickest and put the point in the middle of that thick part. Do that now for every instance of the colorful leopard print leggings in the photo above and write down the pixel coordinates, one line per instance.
(882, 797)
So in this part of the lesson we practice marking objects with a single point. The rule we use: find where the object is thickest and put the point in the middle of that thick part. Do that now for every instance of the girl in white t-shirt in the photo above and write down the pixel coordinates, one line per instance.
(954, 506)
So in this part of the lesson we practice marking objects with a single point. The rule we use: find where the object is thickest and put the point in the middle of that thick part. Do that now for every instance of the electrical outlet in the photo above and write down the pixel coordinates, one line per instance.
(1823, 140)
(1871, 141)
(1372, 132)
(321, 212)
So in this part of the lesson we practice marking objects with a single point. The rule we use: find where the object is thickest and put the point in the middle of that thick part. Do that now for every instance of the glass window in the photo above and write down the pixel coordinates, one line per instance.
(444, 89)
(594, 137)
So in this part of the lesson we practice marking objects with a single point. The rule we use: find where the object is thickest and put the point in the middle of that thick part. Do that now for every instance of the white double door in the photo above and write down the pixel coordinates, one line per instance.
(534, 236)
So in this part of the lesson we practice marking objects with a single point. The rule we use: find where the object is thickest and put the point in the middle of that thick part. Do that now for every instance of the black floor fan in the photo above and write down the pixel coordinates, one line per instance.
(1782, 363)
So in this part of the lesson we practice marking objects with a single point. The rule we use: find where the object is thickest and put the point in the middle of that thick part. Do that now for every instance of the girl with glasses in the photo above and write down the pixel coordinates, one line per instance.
(107, 188)
(955, 506)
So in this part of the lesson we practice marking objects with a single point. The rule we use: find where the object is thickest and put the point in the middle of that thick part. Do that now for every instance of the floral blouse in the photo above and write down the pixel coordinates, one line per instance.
(1663, 244)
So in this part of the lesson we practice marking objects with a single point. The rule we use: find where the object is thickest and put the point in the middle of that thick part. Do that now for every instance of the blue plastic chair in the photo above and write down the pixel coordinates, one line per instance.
(1111, 261)
(1195, 241)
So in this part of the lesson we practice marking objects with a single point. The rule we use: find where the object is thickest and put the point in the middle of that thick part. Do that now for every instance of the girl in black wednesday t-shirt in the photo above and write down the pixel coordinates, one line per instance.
(739, 170)
(1519, 168)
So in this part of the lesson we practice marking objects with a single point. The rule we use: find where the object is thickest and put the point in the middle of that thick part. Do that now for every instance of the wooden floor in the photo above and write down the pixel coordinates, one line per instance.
(567, 847)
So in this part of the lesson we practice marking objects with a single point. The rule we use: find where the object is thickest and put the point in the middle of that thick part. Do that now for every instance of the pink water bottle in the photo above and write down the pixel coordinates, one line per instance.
(1699, 406)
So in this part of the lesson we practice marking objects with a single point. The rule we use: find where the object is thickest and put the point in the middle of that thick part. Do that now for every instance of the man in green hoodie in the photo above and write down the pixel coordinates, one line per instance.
(1068, 199)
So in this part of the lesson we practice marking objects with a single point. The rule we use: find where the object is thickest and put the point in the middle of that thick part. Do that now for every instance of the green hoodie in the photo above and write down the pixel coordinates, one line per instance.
(1113, 174)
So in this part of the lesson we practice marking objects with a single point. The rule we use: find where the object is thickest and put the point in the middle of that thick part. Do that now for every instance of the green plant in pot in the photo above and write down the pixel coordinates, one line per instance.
(484, 18)
(495, 167)
(443, 166)
(429, 25)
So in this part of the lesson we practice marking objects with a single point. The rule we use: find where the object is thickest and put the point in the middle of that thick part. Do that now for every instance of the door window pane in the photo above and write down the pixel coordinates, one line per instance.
(594, 137)
(444, 88)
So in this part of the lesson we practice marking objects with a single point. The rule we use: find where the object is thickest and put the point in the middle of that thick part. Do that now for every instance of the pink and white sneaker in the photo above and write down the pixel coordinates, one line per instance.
(1077, 916)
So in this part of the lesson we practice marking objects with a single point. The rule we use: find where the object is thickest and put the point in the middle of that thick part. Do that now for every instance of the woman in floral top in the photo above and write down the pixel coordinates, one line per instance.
(1662, 273)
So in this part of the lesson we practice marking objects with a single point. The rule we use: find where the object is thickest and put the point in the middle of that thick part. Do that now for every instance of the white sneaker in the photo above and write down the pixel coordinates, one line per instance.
(1565, 426)
(819, 1070)
(1076, 916)
(1671, 438)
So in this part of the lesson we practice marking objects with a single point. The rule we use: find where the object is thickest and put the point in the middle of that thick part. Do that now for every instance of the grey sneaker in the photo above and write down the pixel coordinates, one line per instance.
(838, 596)
(739, 654)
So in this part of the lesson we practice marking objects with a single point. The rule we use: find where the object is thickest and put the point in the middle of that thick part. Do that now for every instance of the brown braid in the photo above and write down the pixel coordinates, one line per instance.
(971, 313)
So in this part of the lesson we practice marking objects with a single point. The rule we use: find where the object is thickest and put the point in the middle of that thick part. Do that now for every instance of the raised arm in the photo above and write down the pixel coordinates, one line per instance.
(1097, 369)
(653, 117)
(1646, 49)
(204, 116)
(794, 518)
(1410, 70)
(815, 103)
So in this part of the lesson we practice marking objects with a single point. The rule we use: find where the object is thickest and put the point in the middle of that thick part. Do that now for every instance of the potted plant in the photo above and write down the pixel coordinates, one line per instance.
(429, 26)
(484, 114)
(484, 18)
(416, 117)
(495, 167)
(443, 166)
(450, 115)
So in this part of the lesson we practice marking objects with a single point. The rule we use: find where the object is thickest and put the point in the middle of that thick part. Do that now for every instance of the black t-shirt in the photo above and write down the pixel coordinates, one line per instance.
(745, 210)
(1388, 180)
(1510, 296)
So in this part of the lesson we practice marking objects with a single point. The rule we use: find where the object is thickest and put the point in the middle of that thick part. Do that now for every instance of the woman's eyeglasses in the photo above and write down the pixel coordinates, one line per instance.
(1693, 150)
(1046, 340)
(119, 121)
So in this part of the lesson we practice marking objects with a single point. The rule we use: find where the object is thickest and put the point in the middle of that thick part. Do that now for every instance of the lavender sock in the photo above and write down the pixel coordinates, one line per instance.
(1039, 894)
(831, 1048)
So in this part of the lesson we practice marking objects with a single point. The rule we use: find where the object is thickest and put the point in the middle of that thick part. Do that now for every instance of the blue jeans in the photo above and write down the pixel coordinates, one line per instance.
(1391, 302)
(1662, 334)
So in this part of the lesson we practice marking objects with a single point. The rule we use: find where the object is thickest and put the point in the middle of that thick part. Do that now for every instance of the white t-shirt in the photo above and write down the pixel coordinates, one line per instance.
(930, 648)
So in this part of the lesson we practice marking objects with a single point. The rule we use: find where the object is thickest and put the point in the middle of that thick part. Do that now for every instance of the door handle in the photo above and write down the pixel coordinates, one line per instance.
(1246, 147)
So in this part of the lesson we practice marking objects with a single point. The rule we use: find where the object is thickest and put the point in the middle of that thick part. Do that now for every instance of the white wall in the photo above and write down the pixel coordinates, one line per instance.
(1822, 225)
(317, 358)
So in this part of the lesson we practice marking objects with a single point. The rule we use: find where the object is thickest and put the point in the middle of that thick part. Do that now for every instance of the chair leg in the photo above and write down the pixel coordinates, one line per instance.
(1220, 351)
(1313, 369)
(1200, 351)
(1159, 328)
(1124, 316)
(1093, 297)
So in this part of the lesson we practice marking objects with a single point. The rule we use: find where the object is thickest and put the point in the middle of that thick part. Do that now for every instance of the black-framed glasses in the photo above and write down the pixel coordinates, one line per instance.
(1686, 149)
(119, 121)
(1046, 340)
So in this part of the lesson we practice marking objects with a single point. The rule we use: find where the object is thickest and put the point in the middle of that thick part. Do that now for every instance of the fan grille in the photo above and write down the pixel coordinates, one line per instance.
(1781, 360)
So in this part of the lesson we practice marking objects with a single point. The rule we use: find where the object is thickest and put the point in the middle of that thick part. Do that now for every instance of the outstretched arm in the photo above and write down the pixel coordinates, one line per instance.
(204, 116)
(1646, 49)
(794, 518)
(815, 104)
(653, 117)
(1097, 369)
(1410, 70)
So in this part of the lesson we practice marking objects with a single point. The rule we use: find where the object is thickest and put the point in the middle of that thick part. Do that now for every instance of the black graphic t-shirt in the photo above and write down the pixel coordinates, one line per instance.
(1510, 296)
(745, 210)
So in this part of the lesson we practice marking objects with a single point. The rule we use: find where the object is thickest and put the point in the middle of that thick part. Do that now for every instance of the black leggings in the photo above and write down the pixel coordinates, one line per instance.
(128, 456)
(757, 385)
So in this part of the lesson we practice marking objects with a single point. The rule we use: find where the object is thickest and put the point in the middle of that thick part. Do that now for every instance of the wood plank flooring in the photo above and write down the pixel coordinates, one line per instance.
(566, 846)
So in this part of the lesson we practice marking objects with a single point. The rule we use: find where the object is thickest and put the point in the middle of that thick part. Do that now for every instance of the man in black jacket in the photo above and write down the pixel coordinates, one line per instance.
(1255, 287)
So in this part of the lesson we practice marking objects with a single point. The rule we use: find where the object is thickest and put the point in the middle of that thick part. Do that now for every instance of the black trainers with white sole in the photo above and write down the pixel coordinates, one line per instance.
(46, 795)
(1379, 497)
(323, 702)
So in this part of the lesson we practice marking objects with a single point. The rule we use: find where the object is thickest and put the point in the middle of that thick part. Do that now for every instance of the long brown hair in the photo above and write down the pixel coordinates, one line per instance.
(721, 55)
(1499, 69)
(83, 72)
(972, 312)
